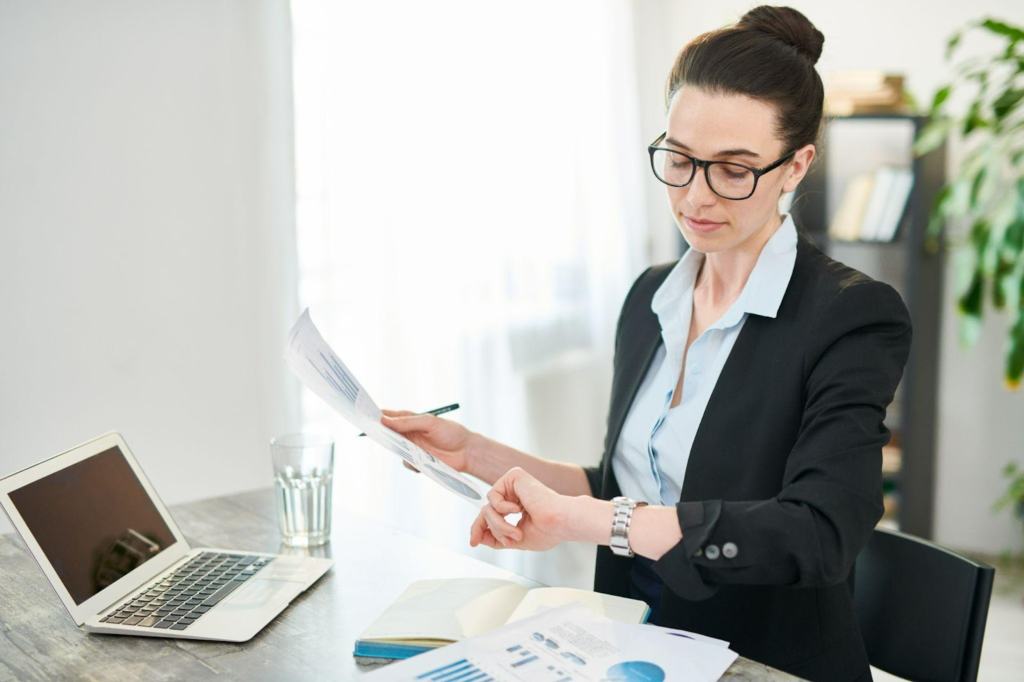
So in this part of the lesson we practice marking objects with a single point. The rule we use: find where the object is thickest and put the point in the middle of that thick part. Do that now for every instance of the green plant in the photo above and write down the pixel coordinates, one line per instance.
(980, 211)
(1014, 495)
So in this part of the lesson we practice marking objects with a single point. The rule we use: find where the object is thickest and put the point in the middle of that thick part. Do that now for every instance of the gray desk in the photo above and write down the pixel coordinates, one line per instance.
(311, 640)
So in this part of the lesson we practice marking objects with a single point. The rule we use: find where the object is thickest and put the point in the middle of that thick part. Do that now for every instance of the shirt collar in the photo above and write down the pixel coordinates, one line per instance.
(762, 294)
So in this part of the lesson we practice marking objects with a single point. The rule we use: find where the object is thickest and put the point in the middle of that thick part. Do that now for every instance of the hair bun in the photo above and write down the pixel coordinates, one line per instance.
(788, 25)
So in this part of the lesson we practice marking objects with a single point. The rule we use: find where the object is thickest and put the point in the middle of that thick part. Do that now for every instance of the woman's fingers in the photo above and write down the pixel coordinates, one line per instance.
(499, 527)
(483, 532)
(406, 422)
(398, 413)
(503, 505)
(480, 534)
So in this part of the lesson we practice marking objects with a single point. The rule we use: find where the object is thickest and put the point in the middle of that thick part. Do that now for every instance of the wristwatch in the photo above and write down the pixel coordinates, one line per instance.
(624, 507)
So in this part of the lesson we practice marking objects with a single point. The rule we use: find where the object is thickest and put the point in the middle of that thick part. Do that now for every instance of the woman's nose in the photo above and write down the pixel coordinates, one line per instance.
(698, 193)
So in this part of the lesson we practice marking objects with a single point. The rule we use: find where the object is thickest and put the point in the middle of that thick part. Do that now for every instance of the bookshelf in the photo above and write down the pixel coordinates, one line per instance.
(853, 145)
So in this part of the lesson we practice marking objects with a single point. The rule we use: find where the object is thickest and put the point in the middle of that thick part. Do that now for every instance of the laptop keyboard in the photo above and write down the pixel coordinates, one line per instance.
(185, 595)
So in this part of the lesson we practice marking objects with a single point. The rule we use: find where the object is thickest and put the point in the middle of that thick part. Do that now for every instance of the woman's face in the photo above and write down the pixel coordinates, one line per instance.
(729, 128)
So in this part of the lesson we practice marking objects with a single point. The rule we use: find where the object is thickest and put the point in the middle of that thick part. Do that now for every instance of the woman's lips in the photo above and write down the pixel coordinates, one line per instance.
(701, 226)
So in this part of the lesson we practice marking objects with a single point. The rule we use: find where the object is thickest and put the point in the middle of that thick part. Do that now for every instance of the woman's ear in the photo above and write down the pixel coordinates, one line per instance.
(798, 167)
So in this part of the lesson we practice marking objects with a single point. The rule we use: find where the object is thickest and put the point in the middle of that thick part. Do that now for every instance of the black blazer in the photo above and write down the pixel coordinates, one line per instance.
(786, 465)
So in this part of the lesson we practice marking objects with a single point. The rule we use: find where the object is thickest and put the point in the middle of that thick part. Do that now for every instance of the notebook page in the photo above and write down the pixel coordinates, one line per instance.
(447, 609)
(617, 608)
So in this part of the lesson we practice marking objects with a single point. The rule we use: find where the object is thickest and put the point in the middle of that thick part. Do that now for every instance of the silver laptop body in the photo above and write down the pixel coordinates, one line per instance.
(121, 566)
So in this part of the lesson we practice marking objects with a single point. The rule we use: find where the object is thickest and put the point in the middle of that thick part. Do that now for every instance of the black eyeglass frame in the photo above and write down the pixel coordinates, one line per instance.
(698, 163)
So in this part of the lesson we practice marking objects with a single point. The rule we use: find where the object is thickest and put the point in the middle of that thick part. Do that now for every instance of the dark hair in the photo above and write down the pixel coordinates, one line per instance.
(769, 55)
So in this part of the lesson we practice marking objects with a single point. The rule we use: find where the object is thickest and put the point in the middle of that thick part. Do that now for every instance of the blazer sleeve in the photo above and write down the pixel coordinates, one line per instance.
(831, 498)
(594, 472)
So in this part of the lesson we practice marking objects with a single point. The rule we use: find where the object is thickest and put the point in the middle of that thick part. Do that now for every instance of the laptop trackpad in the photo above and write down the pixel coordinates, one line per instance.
(259, 592)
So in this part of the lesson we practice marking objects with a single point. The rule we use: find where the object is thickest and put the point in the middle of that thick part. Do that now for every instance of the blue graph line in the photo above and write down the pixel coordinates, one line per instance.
(398, 447)
(342, 381)
(348, 381)
(326, 378)
(461, 670)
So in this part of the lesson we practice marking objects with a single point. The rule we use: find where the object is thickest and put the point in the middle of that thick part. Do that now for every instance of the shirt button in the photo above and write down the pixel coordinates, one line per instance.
(695, 369)
(730, 550)
(711, 552)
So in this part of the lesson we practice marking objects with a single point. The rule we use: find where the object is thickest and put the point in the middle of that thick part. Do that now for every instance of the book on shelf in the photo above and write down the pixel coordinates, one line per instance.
(864, 91)
(901, 182)
(892, 460)
(873, 205)
(850, 214)
(435, 613)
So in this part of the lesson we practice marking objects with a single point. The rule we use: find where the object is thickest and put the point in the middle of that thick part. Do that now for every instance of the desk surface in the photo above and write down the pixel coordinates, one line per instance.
(311, 640)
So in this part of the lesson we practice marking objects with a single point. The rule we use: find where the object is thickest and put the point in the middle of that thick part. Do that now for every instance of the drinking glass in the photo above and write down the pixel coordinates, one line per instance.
(303, 472)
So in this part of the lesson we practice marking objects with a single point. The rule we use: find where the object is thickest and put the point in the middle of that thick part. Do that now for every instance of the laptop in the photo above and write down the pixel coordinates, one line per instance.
(121, 566)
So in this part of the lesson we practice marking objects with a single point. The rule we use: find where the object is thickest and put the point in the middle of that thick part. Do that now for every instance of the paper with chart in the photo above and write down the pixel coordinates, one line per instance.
(320, 370)
(568, 644)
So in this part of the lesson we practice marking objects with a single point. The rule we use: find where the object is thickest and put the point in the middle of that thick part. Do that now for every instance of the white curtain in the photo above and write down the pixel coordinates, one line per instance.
(470, 207)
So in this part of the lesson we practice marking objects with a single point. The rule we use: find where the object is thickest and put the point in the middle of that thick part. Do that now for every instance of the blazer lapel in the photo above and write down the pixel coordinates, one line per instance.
(757, 349)
(728, 389)
(640, 339)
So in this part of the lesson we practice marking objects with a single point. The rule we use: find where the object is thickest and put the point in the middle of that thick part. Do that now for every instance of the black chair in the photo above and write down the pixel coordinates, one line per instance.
(921, 608)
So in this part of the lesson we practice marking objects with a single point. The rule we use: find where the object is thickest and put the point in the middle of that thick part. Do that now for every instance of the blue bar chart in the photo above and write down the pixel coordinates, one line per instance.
(461, 670)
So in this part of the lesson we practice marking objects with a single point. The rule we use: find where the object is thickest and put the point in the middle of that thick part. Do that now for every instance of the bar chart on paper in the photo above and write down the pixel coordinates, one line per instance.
(336, 375)
(459, 670)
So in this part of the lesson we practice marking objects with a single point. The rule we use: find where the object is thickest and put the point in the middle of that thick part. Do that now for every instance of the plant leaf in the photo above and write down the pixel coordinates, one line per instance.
(1004, 268)
(951, 44)
(941, 96)
(932, 135)
(1015, 355)
(937, 215)
(974, 120)
(979, 178)
(970, 304)
(1012, 32)
(970, 330)
(1007, 102)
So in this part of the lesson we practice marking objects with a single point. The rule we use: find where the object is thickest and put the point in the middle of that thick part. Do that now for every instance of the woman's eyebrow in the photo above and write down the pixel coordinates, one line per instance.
(726, 152)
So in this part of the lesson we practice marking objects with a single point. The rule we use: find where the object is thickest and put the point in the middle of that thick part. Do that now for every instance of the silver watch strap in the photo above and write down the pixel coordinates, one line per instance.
(621, 520)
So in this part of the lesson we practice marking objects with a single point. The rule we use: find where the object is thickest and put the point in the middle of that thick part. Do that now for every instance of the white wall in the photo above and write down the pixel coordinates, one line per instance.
(980, 423)
(146, 234)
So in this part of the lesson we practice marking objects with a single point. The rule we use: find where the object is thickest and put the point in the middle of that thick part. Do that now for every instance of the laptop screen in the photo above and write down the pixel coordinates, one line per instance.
(94, 522)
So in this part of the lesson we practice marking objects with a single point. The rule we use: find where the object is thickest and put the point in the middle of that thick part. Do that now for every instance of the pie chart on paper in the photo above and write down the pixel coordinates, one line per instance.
(635, 671)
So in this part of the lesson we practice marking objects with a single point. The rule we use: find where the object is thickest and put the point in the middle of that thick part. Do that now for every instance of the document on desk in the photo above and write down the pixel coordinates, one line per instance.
(321, 371)
(567, 644)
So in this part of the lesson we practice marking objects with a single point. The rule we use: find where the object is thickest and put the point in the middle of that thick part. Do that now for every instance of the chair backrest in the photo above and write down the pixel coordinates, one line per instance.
(921, 608)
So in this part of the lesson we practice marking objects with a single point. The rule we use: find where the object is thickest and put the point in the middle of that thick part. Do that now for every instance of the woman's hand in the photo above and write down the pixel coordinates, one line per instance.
(546, 520)
(444, 439)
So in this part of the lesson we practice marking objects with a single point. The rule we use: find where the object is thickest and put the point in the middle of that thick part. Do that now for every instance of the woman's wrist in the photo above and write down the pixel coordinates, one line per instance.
(474, 454)
(590, 520)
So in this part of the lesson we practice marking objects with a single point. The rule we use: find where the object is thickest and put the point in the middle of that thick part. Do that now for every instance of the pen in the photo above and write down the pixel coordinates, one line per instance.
(437, 412)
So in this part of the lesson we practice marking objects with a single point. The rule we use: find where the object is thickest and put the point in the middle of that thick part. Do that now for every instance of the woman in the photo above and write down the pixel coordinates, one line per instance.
(742, 462)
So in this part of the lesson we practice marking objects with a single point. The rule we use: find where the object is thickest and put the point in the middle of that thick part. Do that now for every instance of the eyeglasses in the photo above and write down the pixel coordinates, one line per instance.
(732, 181)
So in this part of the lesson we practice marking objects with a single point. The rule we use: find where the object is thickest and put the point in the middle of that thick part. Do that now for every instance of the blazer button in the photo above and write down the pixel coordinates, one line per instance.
(711, 552)
(730, 550)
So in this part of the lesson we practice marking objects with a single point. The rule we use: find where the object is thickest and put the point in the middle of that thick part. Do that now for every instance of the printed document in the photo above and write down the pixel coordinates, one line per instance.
(322, 372)
(568, 644)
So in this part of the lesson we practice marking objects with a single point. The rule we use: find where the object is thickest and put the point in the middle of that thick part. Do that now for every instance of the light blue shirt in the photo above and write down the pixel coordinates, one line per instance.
(654, 447)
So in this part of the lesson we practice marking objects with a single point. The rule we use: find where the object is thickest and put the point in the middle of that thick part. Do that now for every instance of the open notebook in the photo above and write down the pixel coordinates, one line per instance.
(434, 613)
